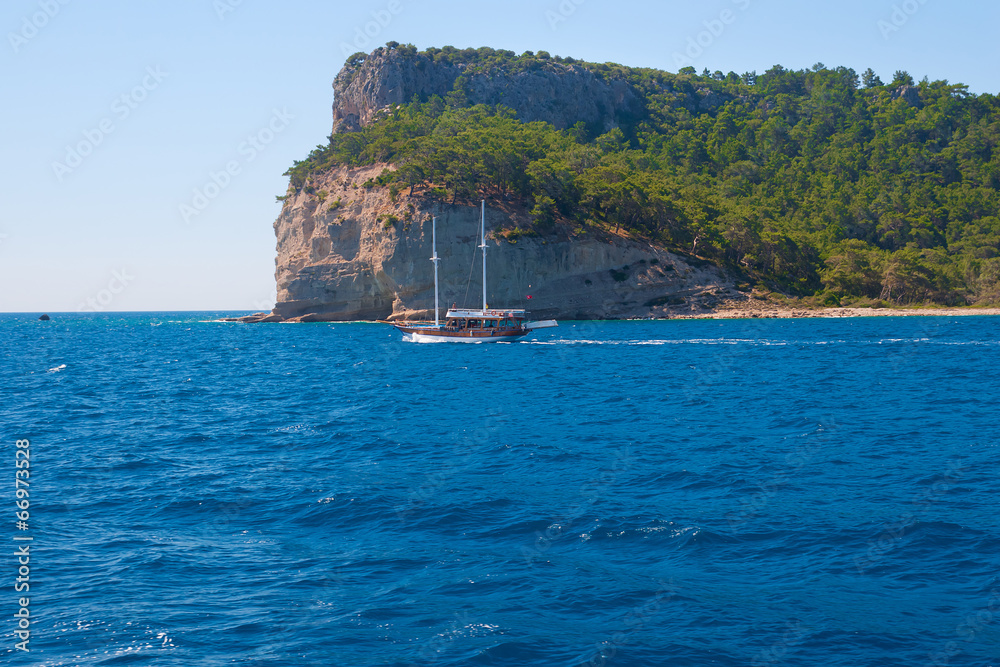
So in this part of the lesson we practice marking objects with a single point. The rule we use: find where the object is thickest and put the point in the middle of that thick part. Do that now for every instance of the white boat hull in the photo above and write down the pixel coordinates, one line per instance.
(431, 338)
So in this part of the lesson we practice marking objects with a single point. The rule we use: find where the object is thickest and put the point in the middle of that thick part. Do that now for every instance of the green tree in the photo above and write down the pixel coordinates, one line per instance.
(902, 78)
(870, 79)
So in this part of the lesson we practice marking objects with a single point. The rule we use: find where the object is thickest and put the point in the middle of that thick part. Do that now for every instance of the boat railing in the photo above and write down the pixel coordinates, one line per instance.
(491, 313)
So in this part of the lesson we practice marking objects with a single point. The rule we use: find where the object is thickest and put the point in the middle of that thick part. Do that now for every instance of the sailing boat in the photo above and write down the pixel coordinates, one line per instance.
(470, 325)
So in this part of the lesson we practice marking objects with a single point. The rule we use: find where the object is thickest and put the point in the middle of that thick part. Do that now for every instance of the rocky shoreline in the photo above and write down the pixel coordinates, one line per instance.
(734, 312)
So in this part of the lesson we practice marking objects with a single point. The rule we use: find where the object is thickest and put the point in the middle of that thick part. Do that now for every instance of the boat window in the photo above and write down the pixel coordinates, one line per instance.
(473, 324)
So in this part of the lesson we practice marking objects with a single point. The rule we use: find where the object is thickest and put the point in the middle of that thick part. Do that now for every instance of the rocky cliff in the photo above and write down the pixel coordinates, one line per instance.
(563, 92)
(558, 93)
(350, 252)
(357, 255)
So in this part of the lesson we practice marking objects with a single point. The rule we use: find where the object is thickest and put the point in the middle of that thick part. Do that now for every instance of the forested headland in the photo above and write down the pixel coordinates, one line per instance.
(820, 184)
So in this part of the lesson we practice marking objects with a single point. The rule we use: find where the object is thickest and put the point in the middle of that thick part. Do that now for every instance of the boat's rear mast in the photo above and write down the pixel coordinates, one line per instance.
(435, 259)
(482, 232)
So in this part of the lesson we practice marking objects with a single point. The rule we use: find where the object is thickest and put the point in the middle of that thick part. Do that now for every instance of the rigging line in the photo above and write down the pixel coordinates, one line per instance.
(520, 288)
(520, 277)
(517, 280)
(468, 285)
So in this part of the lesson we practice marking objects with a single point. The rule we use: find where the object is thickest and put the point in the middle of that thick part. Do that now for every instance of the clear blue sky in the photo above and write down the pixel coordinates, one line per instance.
(161, 95)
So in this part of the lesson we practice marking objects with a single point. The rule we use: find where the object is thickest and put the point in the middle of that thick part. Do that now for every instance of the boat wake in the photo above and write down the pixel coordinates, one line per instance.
(731, 341)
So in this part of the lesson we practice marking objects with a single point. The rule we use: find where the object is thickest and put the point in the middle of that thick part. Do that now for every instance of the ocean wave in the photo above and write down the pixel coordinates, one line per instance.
(316, 495)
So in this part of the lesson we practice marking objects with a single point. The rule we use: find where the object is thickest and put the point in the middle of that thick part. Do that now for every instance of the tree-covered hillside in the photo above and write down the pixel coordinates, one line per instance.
(813, 182)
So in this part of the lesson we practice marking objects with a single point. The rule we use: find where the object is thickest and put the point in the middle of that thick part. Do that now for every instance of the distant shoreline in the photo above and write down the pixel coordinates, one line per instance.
(729, 313)
(771, 312)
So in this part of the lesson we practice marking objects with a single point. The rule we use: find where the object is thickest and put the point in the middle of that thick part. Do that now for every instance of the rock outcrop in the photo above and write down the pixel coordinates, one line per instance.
(909, 94)
(357, 255)
(558, 93)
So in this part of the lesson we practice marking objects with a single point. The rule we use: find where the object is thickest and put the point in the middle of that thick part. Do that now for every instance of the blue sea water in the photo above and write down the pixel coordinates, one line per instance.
(743, 492)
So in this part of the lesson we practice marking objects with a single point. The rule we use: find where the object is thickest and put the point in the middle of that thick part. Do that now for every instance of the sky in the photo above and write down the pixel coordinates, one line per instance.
(144, 142)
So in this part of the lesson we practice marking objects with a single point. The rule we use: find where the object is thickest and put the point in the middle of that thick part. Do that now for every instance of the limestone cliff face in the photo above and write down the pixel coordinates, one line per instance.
(556, 92)
(561, 94)
(345, 262)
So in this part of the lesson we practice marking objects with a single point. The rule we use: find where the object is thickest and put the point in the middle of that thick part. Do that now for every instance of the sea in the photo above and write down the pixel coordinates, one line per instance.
(683, 492)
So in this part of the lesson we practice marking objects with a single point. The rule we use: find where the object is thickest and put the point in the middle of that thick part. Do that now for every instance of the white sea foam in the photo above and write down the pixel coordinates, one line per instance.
(749, 341)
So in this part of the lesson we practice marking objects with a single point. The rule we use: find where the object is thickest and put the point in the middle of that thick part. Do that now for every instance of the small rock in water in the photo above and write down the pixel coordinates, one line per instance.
(44, 318)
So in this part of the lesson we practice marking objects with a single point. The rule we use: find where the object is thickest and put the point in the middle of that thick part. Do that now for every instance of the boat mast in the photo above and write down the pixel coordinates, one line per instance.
(435, 259)
(482, 230)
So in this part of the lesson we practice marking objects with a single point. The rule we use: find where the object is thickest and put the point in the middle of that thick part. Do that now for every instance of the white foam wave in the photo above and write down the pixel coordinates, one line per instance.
(749, 341)
(659, 341)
